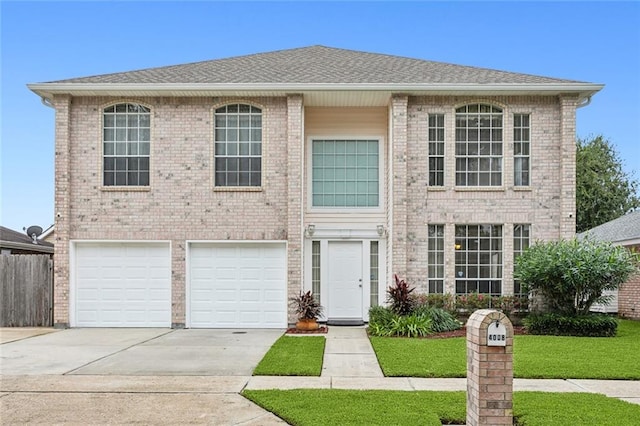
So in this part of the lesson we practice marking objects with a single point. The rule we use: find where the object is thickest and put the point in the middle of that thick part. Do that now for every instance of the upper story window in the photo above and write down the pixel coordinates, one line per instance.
(238, 145)
(436, 149)
(345, 173)
(478, 145)
(126, 145)
(521, 135)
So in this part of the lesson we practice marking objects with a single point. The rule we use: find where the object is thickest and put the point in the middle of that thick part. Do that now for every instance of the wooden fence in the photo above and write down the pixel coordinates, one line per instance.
(26, 291)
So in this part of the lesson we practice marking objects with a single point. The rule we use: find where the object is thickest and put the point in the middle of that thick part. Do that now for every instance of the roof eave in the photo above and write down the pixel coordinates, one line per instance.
(48, 90)
(26, 246)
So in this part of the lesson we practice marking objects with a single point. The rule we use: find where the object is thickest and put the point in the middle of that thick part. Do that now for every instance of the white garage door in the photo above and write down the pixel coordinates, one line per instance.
(238, 285)
(122, 285)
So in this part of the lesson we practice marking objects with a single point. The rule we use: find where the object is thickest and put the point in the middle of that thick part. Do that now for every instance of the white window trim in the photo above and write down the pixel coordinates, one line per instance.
(381, 175)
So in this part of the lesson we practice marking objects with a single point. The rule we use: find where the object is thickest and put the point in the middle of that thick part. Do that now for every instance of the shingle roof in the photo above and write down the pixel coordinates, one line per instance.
(9, 235)
(624, 228)
(318, 65)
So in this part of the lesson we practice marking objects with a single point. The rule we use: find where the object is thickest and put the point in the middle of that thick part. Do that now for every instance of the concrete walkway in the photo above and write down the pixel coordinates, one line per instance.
(348, 353)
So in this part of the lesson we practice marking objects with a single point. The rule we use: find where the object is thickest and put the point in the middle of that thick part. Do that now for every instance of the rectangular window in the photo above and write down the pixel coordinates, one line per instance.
(436, 149)
(238, 145)
(479, 259)
(521, 241)
(374, 271)
(521, 140)
(345, 173)
(126, 139)
(315, 269)
(478, 145)
(435, 259)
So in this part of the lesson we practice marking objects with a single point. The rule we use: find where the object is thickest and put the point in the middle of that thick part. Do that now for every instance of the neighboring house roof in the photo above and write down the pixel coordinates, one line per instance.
(48, 233)
(624, 230)
(313, 68)
(20, 241)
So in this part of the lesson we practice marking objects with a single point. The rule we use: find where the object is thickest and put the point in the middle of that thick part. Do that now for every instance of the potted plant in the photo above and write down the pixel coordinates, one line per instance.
(308, 310)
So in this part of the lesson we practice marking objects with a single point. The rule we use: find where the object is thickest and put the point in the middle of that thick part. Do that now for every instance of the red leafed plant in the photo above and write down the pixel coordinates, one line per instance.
(399, 295)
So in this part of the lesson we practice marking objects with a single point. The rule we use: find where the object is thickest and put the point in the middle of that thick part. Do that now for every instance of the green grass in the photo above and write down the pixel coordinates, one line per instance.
(548, 357)
(293, 356)
(351, 407)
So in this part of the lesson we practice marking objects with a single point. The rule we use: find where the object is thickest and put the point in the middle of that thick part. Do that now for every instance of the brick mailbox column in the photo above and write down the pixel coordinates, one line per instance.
(489, 369)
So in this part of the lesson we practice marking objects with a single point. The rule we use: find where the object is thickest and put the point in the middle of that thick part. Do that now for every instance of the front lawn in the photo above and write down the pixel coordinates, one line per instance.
(548, 357)
(351, 407)
(293, 356)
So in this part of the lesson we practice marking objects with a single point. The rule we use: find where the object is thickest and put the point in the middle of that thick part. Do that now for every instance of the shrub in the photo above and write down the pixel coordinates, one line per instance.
(384, 322)
(571, 275)
(594, 325)
(441, 320)
(456, 305)
(446, 301)
(400, 298)
(306, 306)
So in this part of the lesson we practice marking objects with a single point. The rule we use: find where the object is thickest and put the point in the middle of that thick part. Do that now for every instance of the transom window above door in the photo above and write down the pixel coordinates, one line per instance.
(345, 173)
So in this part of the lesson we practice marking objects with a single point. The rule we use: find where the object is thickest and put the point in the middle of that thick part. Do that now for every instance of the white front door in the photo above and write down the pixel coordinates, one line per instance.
(345, 280)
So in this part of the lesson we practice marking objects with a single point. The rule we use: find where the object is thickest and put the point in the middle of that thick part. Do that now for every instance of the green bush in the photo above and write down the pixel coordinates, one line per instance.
(441, 320)
(571, 275)
(437, 300)
(455, 304)
(383, 322)
(593, 325)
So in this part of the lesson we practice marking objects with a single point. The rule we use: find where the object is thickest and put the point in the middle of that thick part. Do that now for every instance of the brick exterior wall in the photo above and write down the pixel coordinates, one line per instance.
(629, 299)
(295, 149)
(541, 205)
(181, 203)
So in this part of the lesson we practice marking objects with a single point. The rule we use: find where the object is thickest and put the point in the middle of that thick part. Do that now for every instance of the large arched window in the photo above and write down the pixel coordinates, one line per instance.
(126, 139)
(238, 145)
(478, 145)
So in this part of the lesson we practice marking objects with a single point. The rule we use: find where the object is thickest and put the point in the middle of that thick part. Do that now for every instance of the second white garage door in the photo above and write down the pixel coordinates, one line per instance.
(237, 285)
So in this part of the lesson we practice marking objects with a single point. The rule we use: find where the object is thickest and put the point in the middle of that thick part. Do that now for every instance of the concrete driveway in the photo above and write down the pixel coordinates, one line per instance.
(125, 376)
(138, 352)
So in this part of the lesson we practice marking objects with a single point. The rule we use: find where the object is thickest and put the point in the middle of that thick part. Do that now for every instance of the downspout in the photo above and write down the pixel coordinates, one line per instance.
(584, 102)
(47, 102)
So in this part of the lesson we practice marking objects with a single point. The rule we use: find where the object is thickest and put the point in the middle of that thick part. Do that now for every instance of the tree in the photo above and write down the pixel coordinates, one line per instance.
(572, 274)
(603, 190)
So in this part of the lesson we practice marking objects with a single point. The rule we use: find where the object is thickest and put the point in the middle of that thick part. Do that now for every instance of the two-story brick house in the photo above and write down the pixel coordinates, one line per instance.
(206, 194)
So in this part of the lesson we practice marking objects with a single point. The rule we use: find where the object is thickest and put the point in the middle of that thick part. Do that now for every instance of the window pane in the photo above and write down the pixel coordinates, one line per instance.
(345, 173)
(478, 256)
(238, 139)
(478, 138)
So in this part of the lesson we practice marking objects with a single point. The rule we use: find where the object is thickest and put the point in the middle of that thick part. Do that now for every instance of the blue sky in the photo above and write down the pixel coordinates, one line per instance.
(597, 42)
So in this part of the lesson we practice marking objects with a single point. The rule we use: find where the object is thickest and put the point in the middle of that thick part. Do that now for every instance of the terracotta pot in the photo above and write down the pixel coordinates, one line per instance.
(307, 324)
